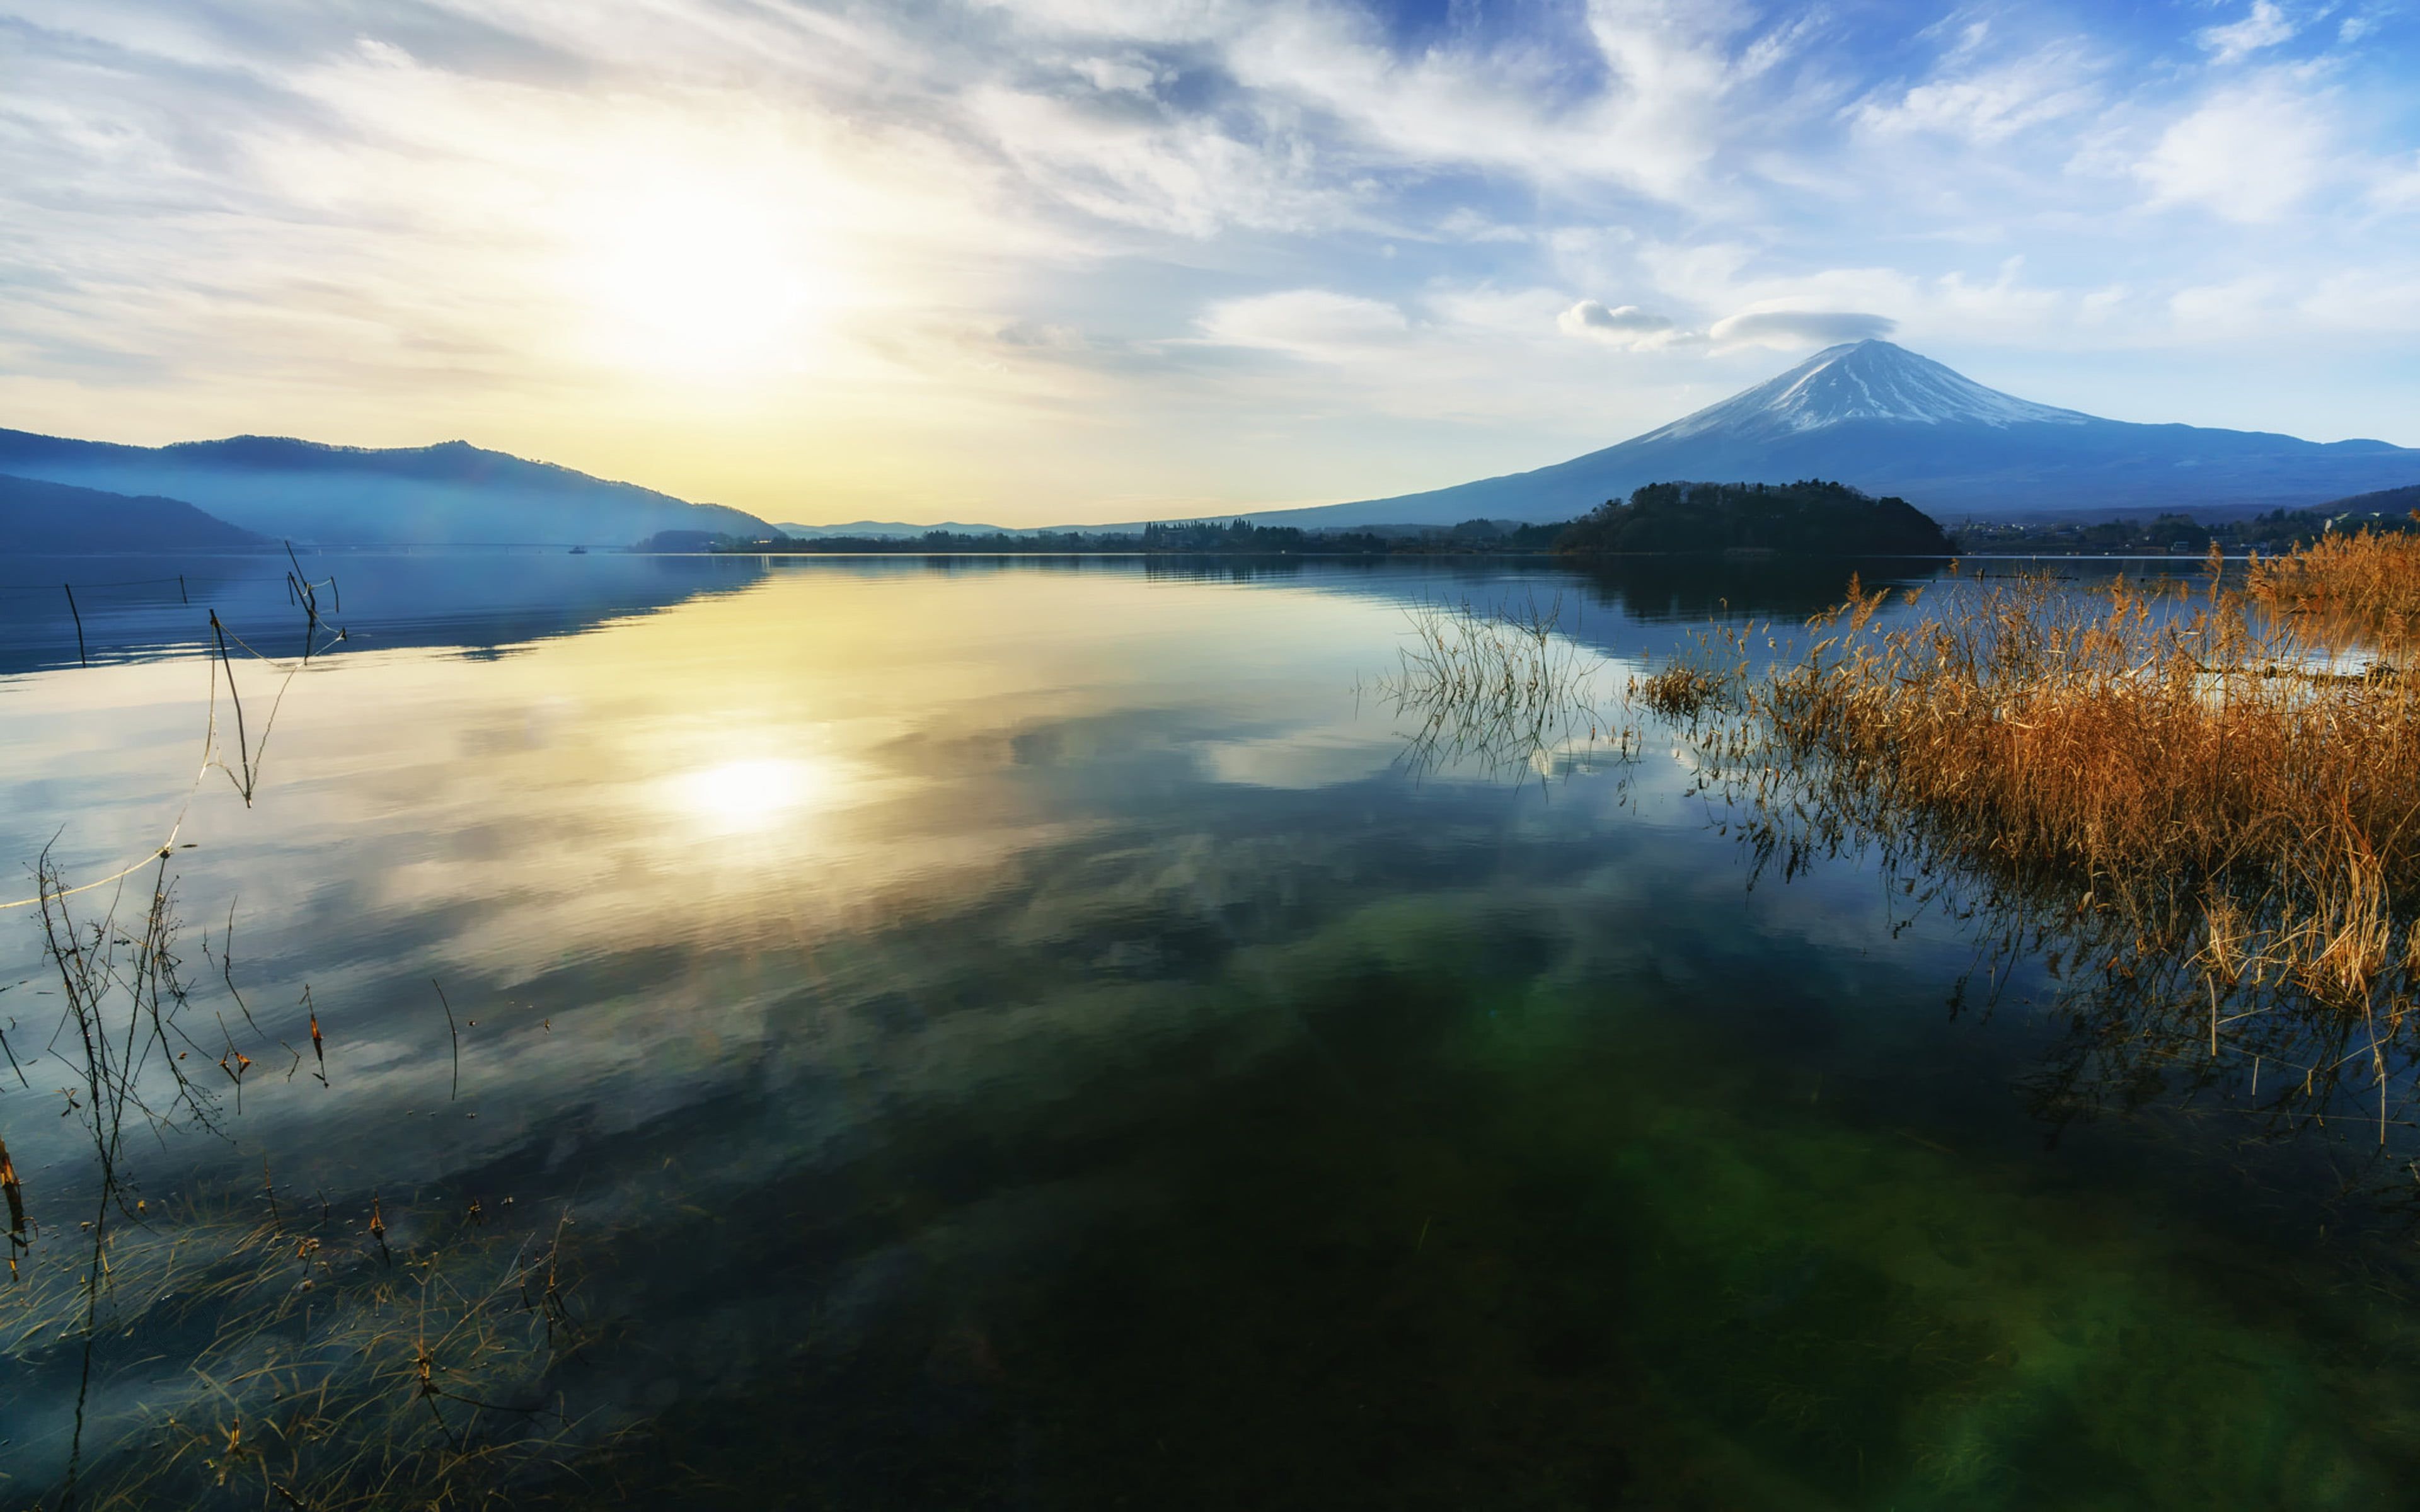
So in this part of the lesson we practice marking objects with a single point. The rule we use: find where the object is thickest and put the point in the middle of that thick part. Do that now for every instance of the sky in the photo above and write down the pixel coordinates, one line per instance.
(1049, 261)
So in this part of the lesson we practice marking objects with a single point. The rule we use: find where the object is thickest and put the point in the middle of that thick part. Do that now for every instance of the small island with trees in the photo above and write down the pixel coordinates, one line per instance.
(1808, 517)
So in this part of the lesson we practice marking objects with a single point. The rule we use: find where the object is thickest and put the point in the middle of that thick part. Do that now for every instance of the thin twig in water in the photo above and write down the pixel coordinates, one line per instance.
(456, 1091)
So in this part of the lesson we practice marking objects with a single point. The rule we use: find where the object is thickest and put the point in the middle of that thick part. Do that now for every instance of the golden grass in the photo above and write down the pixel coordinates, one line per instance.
(2355, 590)
(2176, 793)
(2136, 740)
(1677, 690)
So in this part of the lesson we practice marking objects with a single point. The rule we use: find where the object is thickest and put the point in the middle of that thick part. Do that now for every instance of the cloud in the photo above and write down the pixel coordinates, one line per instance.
(1799, 328)
(1641, 96)
(1463, 224)
(1987, 105)
(2223, 309)
(2397, 186)
(1626, 326)
(1129, 75)
(1159, 171)
(1313, 324)
(548, 225)
(1635, 330)
(2248, 155)
(2265, 26)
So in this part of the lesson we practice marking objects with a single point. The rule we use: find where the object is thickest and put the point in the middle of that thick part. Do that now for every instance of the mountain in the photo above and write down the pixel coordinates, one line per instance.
(2386, 502)
(453, 493)
(1879, 417)
(37, 517)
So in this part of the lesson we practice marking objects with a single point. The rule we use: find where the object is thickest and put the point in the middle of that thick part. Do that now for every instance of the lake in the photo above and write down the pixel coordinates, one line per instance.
(1044, 1033)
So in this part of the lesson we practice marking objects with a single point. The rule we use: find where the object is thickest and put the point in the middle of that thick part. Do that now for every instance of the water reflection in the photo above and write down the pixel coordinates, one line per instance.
(1020, 1037)
(132, 606)
(761, 792)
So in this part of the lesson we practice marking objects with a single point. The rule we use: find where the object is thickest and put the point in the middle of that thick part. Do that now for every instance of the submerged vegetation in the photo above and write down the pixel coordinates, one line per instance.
(332, 1352)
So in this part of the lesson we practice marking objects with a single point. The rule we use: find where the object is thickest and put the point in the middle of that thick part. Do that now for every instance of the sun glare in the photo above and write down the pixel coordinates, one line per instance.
(703, 281)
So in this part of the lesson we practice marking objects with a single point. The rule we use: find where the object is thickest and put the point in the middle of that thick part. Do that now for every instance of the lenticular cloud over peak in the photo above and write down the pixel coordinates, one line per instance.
(1800, 328)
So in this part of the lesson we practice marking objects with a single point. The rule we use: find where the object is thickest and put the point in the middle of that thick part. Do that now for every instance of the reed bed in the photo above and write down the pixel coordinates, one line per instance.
(2179, 796)
(2353, 590)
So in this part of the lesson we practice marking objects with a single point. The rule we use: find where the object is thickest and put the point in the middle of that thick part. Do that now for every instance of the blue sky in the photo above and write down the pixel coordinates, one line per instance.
(1034, 260)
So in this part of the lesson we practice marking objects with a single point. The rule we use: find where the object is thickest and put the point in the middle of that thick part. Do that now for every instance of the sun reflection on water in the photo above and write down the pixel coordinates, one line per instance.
(746, 793)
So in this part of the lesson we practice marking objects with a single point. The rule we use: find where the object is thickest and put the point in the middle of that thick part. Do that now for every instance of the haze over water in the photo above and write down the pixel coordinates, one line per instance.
(1024, 1035)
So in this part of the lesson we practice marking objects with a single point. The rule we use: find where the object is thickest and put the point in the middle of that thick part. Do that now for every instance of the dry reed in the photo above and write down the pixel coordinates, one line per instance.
(2175, 796)
(1678, 690)
(2354, 590)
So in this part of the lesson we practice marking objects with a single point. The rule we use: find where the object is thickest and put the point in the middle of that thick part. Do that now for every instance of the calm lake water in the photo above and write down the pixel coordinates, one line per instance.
(1023, 1035)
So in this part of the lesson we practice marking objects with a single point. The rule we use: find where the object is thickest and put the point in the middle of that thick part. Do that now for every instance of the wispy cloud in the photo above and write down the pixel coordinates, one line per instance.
(1985, 102)
(2249, 155)
(2265, 25)
(1309, 323)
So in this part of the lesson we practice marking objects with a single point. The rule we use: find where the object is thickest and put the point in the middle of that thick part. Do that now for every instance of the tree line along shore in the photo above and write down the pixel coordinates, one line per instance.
(1812, 517)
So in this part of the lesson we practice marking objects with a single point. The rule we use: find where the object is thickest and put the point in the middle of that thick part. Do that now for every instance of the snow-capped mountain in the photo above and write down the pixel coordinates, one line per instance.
(1864, 380)
(1881, 418)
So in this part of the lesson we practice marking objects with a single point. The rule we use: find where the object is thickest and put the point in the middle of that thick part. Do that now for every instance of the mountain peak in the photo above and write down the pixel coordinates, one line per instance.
(1865, 380)
(1887, 420)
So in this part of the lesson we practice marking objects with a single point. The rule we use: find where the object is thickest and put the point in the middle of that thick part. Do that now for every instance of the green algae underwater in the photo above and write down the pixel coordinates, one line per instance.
(1118, 1082)
(1515, 1265)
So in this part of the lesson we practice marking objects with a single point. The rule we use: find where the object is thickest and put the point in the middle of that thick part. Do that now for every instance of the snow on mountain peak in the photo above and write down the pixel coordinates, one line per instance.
(1866, 380)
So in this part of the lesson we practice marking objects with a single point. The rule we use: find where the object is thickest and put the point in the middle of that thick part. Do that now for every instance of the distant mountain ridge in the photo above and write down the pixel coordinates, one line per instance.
(40, 517)
(2386, 502)
(452, 493)
(1885, 419)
